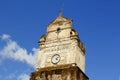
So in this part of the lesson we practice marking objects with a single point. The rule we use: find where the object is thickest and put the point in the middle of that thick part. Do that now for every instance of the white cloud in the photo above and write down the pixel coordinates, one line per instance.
(5, 36)
(23, 77)
(13, 51)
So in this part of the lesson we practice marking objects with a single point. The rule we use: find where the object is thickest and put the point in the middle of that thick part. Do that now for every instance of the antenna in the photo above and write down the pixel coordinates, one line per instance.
(61, 10)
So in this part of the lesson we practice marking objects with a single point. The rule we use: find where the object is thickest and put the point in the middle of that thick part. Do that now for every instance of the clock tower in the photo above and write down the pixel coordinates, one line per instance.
(61, 53)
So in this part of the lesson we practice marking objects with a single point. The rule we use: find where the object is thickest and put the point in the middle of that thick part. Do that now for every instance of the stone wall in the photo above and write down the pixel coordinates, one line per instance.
(61, 73)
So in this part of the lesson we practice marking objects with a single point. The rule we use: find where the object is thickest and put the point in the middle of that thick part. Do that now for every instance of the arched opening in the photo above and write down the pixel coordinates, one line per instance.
(58, 30)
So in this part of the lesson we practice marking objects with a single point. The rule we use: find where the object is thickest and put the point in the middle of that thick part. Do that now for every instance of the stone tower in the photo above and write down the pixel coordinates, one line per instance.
(61, 53)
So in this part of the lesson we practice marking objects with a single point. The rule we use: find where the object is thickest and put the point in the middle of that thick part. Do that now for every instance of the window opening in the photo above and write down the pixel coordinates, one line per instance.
(58, 30)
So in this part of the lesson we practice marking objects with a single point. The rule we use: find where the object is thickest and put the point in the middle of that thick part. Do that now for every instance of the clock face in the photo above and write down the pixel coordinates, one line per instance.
(55, 59)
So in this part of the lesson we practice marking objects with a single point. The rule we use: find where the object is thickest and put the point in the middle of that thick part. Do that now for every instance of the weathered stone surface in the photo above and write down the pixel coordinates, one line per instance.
(61, 55)
(63, 40)
(65, 73)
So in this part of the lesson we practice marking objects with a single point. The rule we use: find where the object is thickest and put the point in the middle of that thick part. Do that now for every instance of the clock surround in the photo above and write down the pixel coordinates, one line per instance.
(55, 58)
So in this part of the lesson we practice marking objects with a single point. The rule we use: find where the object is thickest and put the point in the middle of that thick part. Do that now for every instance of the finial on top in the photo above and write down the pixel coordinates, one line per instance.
(60, 13)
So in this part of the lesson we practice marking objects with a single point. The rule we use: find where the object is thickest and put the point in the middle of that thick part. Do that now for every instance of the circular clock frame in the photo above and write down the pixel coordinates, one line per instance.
(55, 58)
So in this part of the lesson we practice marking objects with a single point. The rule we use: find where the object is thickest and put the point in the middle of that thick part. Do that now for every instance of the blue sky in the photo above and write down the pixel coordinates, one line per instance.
(22, 22)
